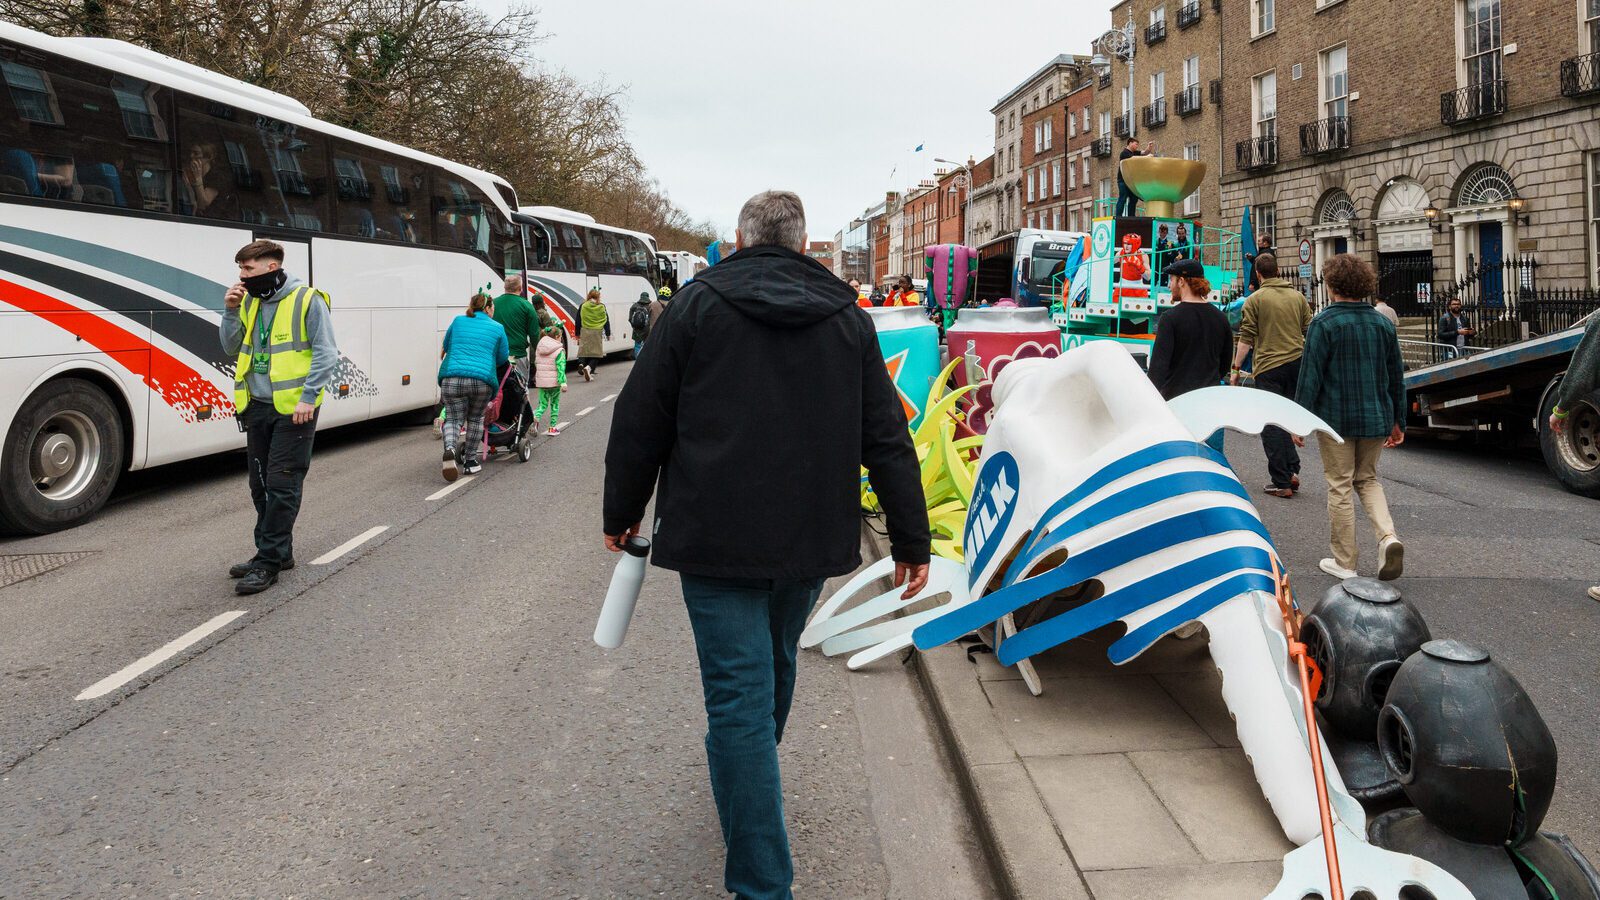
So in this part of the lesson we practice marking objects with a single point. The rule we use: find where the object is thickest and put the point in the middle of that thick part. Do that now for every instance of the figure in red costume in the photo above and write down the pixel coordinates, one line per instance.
(1133, 271)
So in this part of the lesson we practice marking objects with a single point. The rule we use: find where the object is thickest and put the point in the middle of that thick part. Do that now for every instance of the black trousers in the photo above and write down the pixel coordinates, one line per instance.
(279, 452)
(1127, 201)
(1283, 460)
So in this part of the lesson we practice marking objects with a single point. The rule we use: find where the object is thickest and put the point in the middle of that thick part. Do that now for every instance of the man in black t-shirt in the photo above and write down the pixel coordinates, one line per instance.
(1126, 200)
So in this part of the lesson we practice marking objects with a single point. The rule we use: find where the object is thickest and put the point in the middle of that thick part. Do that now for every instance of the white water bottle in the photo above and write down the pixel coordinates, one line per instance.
(622, 595)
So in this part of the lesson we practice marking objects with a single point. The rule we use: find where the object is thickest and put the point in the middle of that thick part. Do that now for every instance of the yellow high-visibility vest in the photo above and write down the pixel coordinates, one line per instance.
(287, 343)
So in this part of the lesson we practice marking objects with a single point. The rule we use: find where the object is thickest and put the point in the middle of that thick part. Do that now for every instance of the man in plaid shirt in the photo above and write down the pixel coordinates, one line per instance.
(1350, 375)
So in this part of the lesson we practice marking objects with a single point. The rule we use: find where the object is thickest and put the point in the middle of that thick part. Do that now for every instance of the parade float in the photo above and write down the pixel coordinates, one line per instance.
(1400, 765)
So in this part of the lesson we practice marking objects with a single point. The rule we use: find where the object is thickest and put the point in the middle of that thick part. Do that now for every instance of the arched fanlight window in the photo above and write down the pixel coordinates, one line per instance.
(1336, 208)
(1485, 185)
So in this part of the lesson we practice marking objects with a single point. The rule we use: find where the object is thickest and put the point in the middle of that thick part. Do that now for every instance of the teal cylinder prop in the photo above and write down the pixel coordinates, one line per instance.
(910, 345)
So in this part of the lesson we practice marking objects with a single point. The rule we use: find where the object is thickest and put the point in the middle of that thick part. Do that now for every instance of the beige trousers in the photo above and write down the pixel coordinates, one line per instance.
(1353, 464)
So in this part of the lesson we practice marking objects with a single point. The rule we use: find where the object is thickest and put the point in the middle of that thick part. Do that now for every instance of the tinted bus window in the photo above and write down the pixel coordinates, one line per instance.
(244, 167)
(375, 195)
(76, 133)
(603, 253)
(538, 243)
(638, 260)
(460, 217)
(567, 252)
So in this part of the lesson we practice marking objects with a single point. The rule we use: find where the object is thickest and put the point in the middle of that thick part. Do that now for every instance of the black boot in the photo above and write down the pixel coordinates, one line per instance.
(240, 570)
(255, 581)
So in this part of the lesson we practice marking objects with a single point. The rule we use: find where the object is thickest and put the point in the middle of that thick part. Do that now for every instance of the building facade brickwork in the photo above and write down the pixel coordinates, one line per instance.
(1044, 87)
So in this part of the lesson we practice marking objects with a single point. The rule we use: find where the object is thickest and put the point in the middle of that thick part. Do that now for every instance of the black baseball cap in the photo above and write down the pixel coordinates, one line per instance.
(1186, 268)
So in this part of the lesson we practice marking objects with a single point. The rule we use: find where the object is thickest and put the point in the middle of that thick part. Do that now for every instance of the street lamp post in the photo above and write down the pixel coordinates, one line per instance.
(1119, 43)
(966, 204)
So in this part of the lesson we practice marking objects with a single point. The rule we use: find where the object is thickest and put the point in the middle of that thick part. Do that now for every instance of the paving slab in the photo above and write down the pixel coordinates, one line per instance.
(1215, 798)
(1107, 813)
(1235, 881)
(1093, 714)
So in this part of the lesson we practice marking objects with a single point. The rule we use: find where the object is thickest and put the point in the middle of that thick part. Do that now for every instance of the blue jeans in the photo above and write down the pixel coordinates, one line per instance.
(745, 633)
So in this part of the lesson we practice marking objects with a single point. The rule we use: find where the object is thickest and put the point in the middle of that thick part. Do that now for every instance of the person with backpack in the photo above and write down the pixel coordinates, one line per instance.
(639, 321)
(550, 377)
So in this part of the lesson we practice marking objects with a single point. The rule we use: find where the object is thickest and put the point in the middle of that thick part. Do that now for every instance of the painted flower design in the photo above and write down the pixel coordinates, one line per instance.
(983, 404)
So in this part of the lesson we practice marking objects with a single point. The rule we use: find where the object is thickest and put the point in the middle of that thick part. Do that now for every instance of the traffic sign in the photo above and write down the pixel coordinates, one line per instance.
(1305, 270)
(1305, 251)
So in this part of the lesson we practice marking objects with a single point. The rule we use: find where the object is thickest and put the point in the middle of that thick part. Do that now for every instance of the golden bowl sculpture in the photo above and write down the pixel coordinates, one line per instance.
(1162, 181)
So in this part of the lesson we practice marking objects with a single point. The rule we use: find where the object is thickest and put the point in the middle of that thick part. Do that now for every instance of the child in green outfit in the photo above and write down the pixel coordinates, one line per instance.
(549, 376)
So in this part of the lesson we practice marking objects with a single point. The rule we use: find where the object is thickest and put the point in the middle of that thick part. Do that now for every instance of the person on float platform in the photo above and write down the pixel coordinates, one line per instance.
(282, 331)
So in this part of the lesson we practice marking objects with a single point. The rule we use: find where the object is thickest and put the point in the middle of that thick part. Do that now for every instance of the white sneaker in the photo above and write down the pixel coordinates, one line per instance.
(1594, 592)
(1392, 554)
(553, 431)
(450, 468)
(1336, 570)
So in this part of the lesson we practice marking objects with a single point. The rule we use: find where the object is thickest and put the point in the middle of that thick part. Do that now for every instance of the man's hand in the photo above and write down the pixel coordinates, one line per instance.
(234, 296)
(1558, 424)
(1298, 440)
(918, 575)
(303, 412)
(1396, 437)
(614, 542)
(1233, 378)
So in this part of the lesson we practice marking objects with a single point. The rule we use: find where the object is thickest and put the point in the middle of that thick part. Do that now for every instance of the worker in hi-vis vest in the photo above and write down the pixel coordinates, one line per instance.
(282, 331)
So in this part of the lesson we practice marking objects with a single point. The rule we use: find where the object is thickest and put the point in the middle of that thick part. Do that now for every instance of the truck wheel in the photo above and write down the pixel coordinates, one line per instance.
(1574, 455)
(61, 458)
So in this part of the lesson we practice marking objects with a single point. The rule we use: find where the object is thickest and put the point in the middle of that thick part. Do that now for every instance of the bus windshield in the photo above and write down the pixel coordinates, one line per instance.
(1046, 269)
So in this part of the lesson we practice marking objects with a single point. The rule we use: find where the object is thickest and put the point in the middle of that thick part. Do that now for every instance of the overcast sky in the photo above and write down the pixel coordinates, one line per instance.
(825, 98)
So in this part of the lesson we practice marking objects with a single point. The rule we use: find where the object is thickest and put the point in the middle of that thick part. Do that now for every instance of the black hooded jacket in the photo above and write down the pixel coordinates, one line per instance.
(758, 398)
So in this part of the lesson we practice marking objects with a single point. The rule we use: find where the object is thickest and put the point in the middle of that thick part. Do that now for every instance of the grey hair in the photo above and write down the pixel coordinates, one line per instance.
(773, 217)
(513, 284)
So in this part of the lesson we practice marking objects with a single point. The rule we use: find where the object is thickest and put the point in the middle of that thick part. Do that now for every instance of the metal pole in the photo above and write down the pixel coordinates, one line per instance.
(1133, 97)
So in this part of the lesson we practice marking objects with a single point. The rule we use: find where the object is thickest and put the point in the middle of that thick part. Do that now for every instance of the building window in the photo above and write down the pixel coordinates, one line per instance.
(1030, 185)
(1055, 179)
(1591, 26)
(1264, 100)
(1594, 218)
(1072, 121)
(1049, 94)
(1158, 86)
(1072, 177)
(1049, 134)
(999, 126)
(1086, 171)
(1191, 203)
(1055, 219)
(1158, 15)
(1038, 136)
(1105, 122)
(1334, 64)
(140, 117)
(1264, 221)
(1105, 189)
(1480, 46)
(1191, 72)
(1013, 121)
(1086, 118)
(35, 99)
(1264, 16)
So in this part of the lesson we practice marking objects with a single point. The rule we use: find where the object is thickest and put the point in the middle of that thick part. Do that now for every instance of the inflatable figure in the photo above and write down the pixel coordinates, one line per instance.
(1089, 480)
(952, 269)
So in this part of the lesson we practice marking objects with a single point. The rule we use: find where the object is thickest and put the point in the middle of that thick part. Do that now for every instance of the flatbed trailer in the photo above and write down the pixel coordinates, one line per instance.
(1511, 390)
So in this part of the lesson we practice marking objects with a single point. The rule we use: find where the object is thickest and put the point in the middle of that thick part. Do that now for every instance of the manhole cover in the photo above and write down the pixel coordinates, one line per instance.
(22, 566)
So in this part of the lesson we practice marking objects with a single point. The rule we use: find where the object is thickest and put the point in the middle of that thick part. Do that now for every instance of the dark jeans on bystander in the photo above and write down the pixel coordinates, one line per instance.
(1283, 461)
(279, 453)
(1127, 201)
(746, 632)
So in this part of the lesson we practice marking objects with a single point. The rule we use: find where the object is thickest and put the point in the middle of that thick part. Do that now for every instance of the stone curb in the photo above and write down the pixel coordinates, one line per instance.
(1027, 856)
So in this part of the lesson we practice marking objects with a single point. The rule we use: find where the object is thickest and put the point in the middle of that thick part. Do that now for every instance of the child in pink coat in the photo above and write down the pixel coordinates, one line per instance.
(549, 376)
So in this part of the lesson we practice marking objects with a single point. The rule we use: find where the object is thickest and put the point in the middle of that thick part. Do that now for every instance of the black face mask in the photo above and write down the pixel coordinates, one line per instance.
(266, 284)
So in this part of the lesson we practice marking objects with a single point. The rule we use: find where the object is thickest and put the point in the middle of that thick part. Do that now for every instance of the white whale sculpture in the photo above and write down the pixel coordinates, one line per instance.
(1088, 476)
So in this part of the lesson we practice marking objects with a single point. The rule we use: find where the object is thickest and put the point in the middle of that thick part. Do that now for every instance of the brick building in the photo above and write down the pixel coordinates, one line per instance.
(1080, 135)
(1172, 102)
(920, 223)
(952, 207)
(1455, 133)
(822, 252)
(1043, 88)
(1044, 154)
(983, 210)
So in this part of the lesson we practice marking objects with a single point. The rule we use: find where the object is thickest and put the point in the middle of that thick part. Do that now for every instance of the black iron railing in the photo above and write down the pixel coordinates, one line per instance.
(1155, 32)
(1189, 14)
(1105, 81)
(1406, 282)
(1187, 100)
(1155, 115)
(1503, 302)
(1476, 101)
(1324, 136)
(1100, 148)
(1580, 75)
(1256, 153)
(1123, 125)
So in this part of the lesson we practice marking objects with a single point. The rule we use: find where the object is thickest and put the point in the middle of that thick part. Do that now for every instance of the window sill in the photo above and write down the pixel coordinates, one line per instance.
(1326, 4)
(1269, 32)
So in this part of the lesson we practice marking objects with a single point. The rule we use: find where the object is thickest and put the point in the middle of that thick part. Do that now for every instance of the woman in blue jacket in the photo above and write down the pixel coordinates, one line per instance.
(474, 359)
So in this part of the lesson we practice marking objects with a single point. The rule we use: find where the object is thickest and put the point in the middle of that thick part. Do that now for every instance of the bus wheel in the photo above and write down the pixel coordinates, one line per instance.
(61, 458)
(1574, 455)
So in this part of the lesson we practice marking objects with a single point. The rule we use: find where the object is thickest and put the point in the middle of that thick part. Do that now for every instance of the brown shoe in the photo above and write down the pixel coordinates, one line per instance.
(1274, 490)
(1294, 482)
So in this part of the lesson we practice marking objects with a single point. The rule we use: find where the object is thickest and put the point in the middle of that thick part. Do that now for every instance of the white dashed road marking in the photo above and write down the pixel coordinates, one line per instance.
(349, 545)
(445, 490)
(608, 397)
(111, 682)
(585, 411)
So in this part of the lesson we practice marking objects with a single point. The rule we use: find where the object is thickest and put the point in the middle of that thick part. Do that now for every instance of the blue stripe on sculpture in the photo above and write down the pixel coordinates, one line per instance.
(1129, 500)
(1139, 639)
(1154, 589)
(1091, 563)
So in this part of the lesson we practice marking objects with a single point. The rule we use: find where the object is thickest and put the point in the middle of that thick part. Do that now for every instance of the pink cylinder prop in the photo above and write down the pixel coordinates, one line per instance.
(988, 340)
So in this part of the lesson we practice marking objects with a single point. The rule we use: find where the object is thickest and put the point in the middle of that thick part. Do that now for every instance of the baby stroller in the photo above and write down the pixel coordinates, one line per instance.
(506, 420)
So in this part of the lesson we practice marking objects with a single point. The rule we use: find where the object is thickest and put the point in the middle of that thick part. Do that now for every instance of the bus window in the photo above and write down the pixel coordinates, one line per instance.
(537, 241)
(244, 167)
(76, 133)
(460, 219)
(603, 254)
(373, 196)
(567, 253)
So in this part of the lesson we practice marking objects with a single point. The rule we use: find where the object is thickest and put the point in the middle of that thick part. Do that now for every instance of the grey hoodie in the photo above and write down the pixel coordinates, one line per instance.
(319, 330)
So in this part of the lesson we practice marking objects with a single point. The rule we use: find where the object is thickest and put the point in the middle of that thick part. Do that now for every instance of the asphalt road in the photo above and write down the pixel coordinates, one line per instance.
(1497, 554)
(422, 716)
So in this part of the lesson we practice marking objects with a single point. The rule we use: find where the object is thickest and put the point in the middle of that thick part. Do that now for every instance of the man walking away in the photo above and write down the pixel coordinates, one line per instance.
(282, 331)
(1577, 386)
(659, 305)
(1127, 201)
(757, 505)
(1273, 323)
(516, 315)
(1192, 339)
(639, 321)
(1453, 328)
(1350, 375)
(1387, 311)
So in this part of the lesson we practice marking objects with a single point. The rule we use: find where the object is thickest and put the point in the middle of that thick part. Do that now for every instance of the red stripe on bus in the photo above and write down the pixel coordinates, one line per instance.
(179, 385)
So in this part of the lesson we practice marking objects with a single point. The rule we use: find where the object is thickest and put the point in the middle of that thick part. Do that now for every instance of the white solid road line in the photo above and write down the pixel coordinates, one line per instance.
(349, 545)
(445, 490)
(111, 682)
(585, 411)
(608, 397)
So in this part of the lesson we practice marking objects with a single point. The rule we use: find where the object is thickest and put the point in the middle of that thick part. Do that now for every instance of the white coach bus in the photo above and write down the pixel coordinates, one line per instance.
(570, 254)
(127, 181)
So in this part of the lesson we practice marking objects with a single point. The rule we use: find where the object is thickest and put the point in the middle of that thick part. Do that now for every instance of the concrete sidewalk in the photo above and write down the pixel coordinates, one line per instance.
(1118, 783)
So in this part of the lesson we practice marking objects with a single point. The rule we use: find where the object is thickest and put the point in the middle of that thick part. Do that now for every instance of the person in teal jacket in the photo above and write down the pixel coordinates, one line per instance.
(475, 357)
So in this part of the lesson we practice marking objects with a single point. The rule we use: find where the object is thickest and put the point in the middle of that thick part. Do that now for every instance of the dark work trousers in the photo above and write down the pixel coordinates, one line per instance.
(1283, 461)
(280, 453)
(1127, 201)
